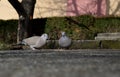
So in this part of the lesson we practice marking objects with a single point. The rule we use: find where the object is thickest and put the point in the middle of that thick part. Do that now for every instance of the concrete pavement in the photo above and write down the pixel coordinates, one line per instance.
(60, 63)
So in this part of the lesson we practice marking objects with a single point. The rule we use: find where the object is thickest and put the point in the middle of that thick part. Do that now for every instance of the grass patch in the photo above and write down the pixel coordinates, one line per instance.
(4, 46)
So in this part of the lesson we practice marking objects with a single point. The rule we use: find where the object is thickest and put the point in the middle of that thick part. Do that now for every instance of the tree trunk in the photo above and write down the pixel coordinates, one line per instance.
(25, 10)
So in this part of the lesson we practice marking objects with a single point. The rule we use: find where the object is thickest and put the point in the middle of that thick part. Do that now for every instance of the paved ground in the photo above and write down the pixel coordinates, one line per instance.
(54, 63)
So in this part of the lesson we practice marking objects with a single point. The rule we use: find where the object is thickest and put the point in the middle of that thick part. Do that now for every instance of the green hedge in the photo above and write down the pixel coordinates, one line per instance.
(8, 30)
(75, 27)
(81, 27)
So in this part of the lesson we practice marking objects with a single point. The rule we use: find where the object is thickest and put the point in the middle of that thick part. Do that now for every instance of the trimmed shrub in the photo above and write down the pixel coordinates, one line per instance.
(81, 27)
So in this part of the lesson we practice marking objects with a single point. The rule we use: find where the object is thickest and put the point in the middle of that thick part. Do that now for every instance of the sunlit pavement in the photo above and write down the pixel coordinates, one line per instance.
(60, 63)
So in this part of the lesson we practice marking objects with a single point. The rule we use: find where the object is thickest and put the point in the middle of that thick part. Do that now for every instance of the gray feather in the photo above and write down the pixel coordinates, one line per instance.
(64, 40)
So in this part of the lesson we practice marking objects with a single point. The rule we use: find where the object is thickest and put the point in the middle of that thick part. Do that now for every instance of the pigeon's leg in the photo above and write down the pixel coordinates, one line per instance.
(32, 47)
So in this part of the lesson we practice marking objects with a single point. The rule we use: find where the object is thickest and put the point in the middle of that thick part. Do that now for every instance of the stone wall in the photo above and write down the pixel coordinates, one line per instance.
(51, 8)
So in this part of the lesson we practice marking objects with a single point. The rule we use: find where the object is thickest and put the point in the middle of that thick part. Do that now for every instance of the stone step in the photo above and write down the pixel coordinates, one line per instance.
(76, 44)
(107, 38)
(108, 34)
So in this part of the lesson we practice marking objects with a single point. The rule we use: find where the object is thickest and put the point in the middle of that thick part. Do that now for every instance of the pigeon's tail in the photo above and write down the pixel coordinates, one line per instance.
(22, 43)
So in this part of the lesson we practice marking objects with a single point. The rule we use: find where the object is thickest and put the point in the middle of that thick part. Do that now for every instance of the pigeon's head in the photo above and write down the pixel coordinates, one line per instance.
(45, 36)
(63, 33)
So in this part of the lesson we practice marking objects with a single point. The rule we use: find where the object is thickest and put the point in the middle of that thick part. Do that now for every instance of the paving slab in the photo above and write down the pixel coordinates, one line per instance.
(60, 63)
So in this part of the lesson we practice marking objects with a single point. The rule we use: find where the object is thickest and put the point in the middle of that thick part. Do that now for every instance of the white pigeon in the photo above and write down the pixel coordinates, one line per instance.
(64, 40)
(36, 41)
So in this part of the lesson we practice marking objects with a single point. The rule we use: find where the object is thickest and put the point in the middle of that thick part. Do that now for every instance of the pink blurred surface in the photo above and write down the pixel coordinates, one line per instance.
(91, 7)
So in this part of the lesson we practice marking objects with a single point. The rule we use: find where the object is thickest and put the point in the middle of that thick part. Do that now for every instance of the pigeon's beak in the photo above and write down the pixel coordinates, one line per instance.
(47, 38)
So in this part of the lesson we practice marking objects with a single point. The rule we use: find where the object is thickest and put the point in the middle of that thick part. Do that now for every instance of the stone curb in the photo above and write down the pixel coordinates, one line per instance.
(78, 44)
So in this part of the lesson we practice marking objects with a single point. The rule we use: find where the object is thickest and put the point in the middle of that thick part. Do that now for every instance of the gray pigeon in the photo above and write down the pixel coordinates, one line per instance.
(64, 40)
(36, 41)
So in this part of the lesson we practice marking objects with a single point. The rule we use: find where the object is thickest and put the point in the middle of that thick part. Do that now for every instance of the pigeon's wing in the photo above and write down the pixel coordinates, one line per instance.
(31, 40)
(68, 41)
(64, 41)
(40, 42)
